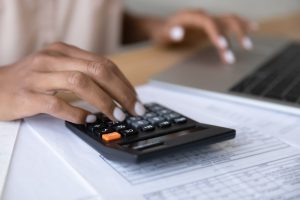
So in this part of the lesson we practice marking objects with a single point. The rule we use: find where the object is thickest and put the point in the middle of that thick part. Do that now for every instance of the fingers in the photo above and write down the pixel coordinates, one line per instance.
(210, 26)
(125, 93)
(83, 86)
(203, 21)
(215, 29)
(58, 108)
(105, 76)
(241, 28)
(75, 52)
(218, 37)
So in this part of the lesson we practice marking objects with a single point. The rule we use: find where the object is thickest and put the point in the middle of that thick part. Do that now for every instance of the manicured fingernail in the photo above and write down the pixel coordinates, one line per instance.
(139, 109)
(177, 33)
(222, 42)
(90, 118)
(119, 114)
(229, 57)
(247, 43)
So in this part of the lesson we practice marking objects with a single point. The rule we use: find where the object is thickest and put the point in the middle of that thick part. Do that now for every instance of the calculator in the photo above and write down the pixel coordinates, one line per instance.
(159, 131)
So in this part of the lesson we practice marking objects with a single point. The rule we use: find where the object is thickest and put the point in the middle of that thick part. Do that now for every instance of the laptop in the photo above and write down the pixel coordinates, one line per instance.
(269, 73)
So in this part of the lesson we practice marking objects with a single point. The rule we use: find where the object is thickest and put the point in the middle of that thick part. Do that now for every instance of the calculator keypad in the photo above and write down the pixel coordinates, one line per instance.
(156, 118)
(160, 130)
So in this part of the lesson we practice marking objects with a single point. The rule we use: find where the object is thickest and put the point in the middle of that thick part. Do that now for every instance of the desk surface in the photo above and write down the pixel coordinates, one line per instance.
(142, 63)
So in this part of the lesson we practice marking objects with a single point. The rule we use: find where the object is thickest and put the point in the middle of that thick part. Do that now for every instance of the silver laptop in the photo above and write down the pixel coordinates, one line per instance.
(269, 73)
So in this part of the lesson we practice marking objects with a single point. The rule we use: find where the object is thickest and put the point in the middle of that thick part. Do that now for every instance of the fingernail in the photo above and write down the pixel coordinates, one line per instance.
(177, 33)
(229, 57)
(247, 43)
(222, 42)
(90, 118)
(139, 108)
(119, 114)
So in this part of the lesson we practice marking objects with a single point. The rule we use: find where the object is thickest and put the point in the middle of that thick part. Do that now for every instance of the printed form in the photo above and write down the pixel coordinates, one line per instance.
(257, 164)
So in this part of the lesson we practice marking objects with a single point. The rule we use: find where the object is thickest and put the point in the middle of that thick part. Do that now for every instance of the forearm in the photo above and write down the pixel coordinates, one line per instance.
(139, 28)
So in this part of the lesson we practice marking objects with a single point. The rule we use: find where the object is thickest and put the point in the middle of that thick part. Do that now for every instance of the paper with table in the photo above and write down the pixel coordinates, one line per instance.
(255, 165)
(8, 135)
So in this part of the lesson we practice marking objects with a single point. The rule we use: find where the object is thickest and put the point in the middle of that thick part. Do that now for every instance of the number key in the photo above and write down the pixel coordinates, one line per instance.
(155, 120)
(180, 120)
(128, 132)
(147, 128)
(172, 116)
(119, 127)
(140, 123)
(164, 124)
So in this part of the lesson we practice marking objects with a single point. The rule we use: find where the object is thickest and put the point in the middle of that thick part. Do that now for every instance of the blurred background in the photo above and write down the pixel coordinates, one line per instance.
(257, 10)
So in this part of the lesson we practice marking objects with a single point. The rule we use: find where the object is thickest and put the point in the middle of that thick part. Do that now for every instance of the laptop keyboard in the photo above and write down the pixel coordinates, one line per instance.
(278, 79)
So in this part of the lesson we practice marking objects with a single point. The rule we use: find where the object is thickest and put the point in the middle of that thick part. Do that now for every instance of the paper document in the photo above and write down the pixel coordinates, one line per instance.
(38, 173)
(8, 135)
(257, 164)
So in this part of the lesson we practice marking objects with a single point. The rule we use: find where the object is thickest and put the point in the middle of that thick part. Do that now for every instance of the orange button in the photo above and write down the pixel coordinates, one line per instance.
(111, 136)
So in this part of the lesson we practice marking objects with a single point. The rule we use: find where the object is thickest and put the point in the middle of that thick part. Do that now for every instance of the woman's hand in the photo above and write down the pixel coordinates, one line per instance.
(29, 86)
(198, 25)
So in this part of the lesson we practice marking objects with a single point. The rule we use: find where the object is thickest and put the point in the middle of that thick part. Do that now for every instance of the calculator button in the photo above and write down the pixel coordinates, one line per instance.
(106, 130)
(112, 123)
(147, 128)
(163, 112)
(111, 136)
(156, 120)
(140, 123)
(156, 108)
(172, 116)
(128, 132)
(180, 120)
(164, 124)
(101, 131)
(133, 119)
(150, 115)
(94, 127)
(119, 127)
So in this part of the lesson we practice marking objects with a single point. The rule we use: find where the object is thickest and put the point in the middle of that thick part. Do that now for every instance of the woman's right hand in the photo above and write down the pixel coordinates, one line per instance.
(28, 87)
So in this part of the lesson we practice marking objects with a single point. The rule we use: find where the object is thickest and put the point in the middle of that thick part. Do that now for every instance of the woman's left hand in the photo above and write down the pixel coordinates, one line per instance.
(198, 25)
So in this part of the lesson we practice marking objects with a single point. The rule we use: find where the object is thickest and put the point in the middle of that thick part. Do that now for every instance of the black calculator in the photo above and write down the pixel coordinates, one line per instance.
(160, 131)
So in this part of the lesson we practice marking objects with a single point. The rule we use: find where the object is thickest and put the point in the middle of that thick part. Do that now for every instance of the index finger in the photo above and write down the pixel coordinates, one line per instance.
(211, 27)
(105, 77)
(76, 52)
